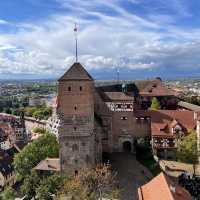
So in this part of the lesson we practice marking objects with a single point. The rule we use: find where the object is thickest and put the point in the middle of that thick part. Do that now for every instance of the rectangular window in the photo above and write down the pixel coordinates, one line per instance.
(119, 105)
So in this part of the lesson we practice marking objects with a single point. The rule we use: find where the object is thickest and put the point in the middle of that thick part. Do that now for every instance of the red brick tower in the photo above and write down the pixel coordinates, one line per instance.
(76, 112)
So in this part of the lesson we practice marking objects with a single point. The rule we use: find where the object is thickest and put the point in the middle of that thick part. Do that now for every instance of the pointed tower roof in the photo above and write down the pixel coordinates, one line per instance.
(76, 72)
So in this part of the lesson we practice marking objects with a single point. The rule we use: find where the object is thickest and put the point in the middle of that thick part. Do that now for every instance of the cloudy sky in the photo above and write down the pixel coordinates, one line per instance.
(140, 38)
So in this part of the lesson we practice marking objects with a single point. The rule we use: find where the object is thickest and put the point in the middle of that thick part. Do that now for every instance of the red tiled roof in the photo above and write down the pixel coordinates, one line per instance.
(156, 88)
(161, 187)
(121, 96)
(163, 120)
(76, 72)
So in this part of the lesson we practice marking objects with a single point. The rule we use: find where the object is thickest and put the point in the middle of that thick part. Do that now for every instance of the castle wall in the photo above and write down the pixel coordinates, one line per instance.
(126, 126)
(104, 116)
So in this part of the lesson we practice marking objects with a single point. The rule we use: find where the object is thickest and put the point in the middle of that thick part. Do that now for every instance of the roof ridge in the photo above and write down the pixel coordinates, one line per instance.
(76, 72)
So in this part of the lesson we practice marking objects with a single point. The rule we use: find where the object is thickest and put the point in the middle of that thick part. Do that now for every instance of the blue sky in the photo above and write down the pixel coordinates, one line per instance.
(143, 38)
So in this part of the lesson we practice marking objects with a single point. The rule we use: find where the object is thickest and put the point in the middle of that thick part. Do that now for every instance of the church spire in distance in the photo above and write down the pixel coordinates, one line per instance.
(76, 40)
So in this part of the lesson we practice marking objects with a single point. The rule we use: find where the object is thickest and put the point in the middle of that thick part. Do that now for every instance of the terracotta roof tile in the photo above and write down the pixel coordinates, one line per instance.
(162, 118)
(161, 187)
(76, 72)
(153, 88)
(114, 96)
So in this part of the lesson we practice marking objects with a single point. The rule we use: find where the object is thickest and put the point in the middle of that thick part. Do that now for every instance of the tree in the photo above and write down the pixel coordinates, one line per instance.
(44, 187)
(48, 187)
(8, 194)
(91, 184)
(155, 104)
(30, 184)
(39, 130)
(32, 154)
(38, 115)
(8, 111)
(187, 149)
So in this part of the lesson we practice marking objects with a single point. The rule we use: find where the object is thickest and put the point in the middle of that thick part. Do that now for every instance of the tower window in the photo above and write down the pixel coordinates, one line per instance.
(83, 144)
(69, 88)
(74, 147)
(124, 118)
(87, 159)
(76, 161)
(81, 88)
(76, 172)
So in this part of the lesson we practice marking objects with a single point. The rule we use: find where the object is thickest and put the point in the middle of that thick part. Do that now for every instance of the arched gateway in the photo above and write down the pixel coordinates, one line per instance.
(127, 147)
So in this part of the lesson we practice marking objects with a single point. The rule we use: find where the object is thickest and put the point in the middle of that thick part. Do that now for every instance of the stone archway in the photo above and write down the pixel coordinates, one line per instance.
(127, 147)
(126, 144)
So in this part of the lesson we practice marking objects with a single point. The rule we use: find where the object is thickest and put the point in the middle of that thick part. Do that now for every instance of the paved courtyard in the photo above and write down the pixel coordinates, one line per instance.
(131, 174)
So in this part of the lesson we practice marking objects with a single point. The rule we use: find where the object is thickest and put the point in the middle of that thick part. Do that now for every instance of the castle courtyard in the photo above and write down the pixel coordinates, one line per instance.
(130, 173)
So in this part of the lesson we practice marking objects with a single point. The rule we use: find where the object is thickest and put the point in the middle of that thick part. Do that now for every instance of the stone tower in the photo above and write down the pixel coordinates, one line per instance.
(76, 112)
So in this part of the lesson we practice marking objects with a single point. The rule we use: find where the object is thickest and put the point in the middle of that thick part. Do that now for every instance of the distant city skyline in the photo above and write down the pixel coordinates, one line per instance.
(143, 39)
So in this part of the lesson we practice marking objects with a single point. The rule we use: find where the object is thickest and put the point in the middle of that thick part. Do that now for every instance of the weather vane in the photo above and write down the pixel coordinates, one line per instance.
(76, 39)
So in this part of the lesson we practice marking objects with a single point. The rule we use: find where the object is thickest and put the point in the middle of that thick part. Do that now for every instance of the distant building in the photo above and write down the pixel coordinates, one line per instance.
(53, 122)
(36, 101)
(12, 130)
(161, 187)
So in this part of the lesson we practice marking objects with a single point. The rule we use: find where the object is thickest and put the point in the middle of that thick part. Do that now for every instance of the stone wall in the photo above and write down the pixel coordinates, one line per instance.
(76, 130)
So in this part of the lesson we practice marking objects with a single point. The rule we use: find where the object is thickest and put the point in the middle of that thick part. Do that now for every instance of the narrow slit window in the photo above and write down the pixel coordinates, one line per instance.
(124, 118)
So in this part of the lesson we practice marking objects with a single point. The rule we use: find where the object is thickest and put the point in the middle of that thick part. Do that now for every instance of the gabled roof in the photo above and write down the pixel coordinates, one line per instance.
(161, 187)
(159, 118)
(118, 96)
(153, 88)
(49, 164)
(189, 106)
(76, 72)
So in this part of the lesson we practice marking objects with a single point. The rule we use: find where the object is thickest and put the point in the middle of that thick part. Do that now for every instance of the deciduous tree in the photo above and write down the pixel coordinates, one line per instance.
(155, 104)
(8, 194)
(91, 184)
(187, 149)
(33, 153)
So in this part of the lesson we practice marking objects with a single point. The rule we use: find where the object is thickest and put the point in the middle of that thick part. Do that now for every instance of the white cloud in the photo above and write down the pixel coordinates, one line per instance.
(47, 47)
(3, 22)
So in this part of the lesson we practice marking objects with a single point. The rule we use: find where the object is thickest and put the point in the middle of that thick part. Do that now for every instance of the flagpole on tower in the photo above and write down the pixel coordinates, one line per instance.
(76, 40)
